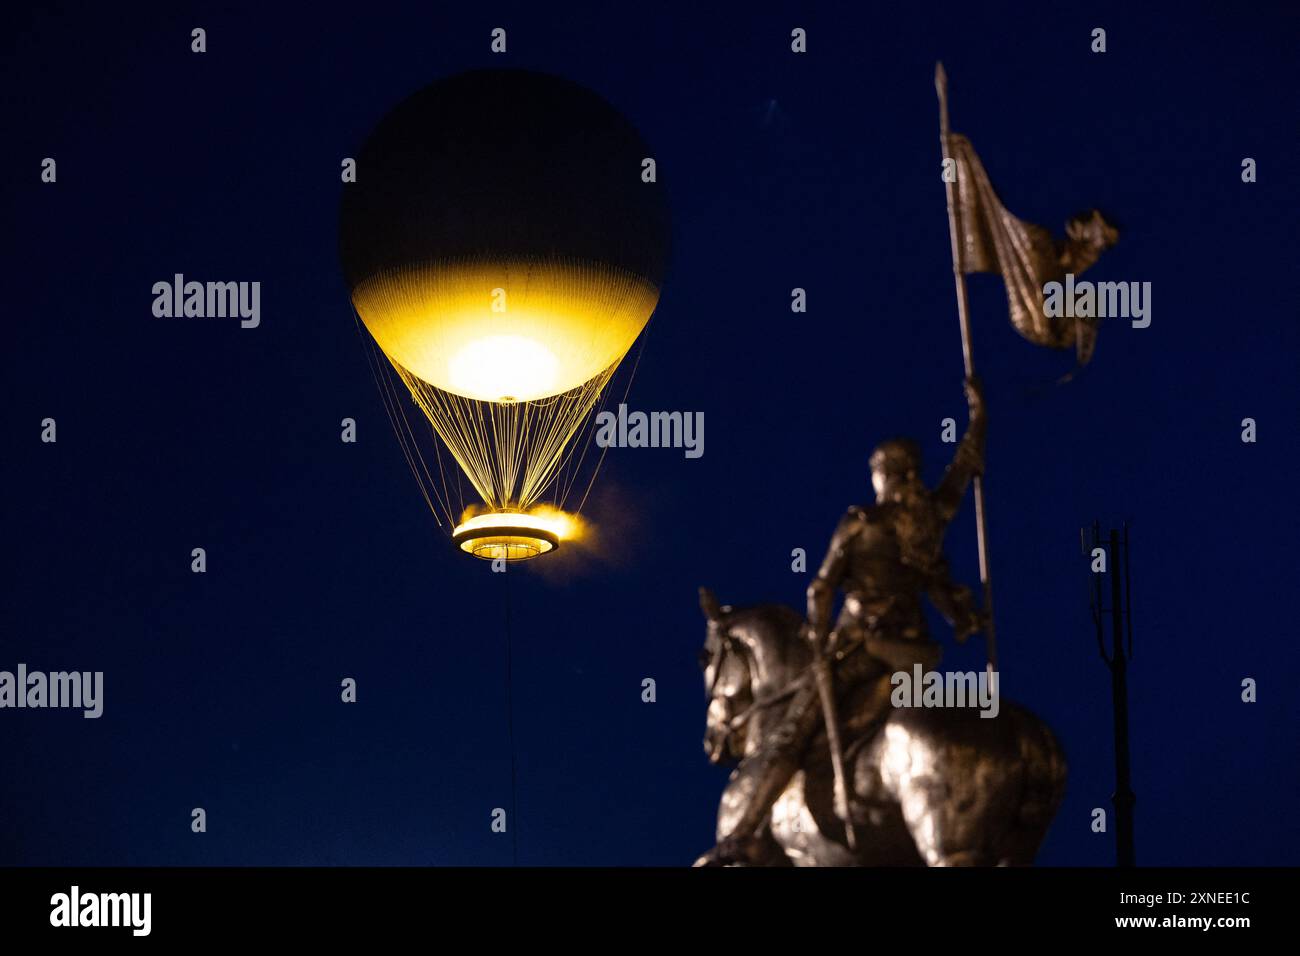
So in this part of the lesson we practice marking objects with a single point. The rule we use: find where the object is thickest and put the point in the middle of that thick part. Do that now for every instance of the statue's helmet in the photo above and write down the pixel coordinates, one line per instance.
(897, 456)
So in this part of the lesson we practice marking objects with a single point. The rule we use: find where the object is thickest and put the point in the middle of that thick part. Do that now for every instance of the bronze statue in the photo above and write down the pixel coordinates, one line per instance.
(942, 787)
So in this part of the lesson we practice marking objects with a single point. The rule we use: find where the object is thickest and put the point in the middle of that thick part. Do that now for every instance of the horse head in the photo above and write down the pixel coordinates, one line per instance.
(749, 655)
(727, 682)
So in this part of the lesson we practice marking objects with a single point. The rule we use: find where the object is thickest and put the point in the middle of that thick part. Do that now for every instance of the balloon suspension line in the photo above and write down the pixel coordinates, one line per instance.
(510, 732)
(627, 390)
(394, 409)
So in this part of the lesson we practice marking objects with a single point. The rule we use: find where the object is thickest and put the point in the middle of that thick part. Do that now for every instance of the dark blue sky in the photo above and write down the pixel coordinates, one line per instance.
(819, 171)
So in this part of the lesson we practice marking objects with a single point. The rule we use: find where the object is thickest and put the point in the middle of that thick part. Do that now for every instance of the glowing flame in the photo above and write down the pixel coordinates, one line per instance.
(565, 526)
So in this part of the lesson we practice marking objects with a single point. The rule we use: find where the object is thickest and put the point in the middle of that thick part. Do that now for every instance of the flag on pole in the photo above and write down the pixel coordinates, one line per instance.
(1026, 255)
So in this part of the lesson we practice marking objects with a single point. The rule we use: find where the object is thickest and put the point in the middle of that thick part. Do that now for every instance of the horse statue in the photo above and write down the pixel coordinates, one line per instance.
(937, 786)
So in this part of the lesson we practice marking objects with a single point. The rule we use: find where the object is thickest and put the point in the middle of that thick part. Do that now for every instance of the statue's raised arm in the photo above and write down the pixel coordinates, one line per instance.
(969, 458)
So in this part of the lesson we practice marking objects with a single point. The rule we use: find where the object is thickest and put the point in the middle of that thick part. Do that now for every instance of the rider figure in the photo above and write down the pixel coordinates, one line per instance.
(882, 557)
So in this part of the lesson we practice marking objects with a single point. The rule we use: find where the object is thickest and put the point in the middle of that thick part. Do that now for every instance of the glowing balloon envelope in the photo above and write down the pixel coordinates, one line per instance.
(504, 251)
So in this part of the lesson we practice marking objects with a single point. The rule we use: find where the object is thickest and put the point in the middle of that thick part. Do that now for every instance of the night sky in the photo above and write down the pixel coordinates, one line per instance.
(818, 171)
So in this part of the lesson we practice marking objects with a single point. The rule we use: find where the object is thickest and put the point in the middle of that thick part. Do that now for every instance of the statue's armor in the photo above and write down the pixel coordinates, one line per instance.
(890, 556)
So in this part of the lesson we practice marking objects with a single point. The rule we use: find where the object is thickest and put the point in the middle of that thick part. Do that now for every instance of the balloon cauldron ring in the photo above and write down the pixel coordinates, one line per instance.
(512, 535)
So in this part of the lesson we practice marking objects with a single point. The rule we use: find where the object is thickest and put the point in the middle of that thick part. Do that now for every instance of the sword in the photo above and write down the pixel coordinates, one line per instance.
(822, 673)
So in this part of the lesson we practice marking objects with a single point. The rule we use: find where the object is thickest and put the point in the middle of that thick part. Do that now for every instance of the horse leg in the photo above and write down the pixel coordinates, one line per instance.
(760, 779)
(744, 812)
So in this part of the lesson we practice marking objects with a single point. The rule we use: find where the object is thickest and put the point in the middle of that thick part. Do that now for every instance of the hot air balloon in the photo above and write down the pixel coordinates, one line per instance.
(503, 251)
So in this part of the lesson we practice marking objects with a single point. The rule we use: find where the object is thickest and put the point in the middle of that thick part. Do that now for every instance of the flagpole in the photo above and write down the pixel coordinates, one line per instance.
(963, 316)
